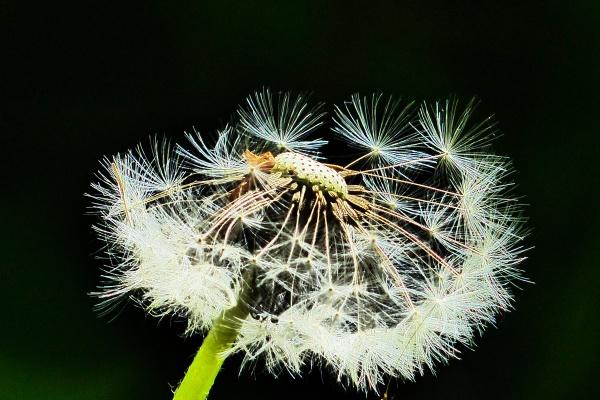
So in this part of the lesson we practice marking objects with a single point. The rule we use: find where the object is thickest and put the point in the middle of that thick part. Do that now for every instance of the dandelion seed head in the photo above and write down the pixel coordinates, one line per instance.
(383, 265)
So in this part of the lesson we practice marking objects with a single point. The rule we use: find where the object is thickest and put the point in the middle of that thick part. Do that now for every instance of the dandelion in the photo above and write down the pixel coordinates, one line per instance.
(380, 266)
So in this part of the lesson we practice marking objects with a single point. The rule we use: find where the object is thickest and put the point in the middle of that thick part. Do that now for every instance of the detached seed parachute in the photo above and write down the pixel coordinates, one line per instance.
(378, 261)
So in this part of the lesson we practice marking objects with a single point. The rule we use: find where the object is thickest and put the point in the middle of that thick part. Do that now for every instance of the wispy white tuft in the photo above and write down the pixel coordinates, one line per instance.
(379, 126)
(449, 131)
(222, 161)
(283, 122)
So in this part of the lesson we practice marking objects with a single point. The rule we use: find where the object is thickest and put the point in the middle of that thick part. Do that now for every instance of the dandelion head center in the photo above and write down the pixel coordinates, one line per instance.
(312, 172)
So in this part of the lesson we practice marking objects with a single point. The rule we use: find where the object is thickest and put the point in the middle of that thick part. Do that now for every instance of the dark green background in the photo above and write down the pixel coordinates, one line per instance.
(89, 79)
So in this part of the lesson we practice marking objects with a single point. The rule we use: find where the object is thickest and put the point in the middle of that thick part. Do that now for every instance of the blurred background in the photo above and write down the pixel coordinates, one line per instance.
(89, 79)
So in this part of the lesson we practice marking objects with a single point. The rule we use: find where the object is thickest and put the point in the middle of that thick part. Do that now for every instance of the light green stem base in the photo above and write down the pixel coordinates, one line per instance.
(201, 375)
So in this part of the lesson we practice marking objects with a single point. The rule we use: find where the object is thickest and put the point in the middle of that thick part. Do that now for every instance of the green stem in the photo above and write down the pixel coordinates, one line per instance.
(201, 375)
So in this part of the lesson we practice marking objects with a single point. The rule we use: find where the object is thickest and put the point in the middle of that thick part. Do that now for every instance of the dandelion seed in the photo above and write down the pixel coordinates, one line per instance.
(381, 127)
(381, 266)
(281, 124)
